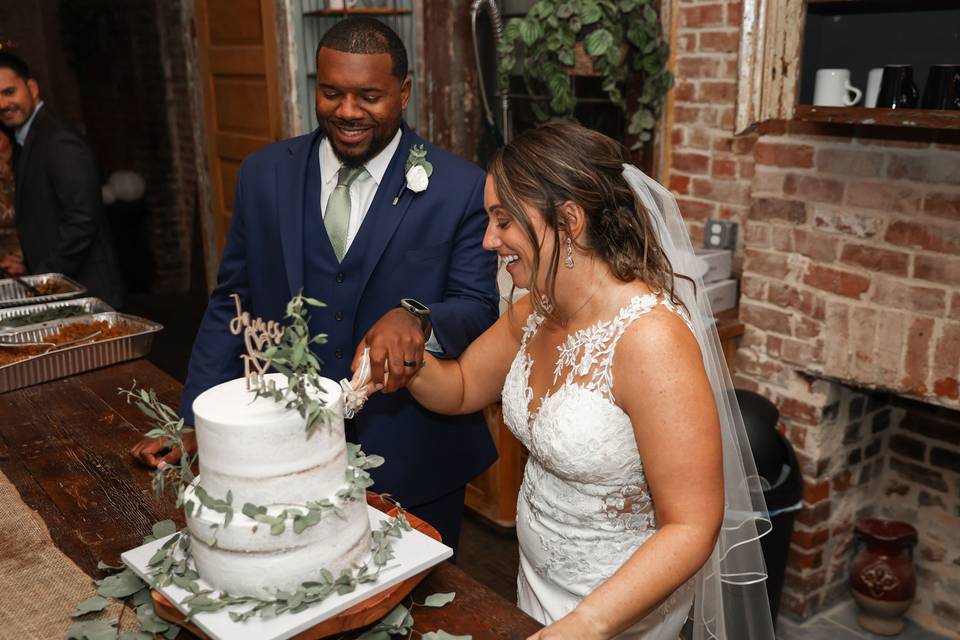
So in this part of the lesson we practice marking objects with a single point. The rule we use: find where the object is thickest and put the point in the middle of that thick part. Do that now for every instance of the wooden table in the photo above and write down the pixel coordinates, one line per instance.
(64, 444)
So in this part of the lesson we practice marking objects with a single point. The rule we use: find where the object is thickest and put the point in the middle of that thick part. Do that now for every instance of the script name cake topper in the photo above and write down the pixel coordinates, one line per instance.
(258, 336)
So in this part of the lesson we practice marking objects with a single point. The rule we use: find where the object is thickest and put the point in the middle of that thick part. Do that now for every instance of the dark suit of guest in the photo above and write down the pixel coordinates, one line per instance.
(59, 209)
(427, 246)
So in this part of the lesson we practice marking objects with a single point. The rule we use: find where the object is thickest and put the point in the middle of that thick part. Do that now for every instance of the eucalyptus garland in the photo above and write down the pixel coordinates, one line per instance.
(294, 358)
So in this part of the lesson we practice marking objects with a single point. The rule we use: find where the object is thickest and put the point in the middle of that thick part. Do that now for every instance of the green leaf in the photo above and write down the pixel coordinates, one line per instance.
(91, 604)
(149, 621)
(598, 42)
(590, 12)
(163, 529)
(120, 585)
(440, 634)
(530, 31)
(92, 630)
(375, 634)
(108, 567)
(440, 599)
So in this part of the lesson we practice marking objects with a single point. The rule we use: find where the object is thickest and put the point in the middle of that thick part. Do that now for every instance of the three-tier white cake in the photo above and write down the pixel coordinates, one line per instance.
(258, 452)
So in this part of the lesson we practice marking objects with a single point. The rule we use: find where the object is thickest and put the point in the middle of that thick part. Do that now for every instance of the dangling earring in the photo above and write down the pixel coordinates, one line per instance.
(569, 260)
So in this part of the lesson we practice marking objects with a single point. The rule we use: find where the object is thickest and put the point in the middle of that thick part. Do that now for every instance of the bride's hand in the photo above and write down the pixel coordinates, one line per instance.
(573, 626)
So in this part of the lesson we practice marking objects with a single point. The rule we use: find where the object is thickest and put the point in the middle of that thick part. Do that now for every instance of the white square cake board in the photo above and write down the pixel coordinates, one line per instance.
(413, 553)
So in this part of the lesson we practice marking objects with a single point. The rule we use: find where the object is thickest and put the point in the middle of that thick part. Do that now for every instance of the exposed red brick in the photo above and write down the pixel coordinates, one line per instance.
(766, 263)
(734, 14)
(765, 318)
(781, 238)
(850, 162)
(696, 209)
(815, 245)
(722, 41)
(684, 91)
(784, 155)
(853, 223)
(813, 189)
(876, 259)
(689, 114)
(679, 183)
(944, 205)
(805, 353)
(724, 191)
(747, 168)
(798, 410)
(947, 388)
(677, 136)
(891, 341)
(946, 353)
(844, 283)
(776, 208)
(786, 295)
(810, 539)
(937, 269)
(686, 42)
(743, 144)
(727, 119)
(697, 67)
(691, 162)
(842, 481)
(929, 167)
(717, 91)
(884, 196)
(917, 355)
(807, 328)
(812, 516)
(815, 492)
(702, 15)
(753, 287)
(925, 236)
(723, 168)
(798, 559)
(893, 293)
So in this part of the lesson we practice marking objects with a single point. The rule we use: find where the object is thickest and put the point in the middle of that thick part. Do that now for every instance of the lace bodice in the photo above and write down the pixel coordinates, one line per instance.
(584, 504)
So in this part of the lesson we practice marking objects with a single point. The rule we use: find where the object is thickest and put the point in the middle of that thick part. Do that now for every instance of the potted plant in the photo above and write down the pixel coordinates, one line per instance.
(619, 36)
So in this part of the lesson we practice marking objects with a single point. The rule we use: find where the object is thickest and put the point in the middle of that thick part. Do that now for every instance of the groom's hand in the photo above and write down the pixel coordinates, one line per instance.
(396, 347)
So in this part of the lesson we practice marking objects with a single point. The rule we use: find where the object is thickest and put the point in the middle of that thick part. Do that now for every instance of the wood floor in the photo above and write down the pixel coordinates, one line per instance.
(489, 554)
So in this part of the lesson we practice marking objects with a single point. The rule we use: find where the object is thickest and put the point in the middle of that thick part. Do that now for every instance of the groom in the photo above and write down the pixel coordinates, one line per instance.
(399, 269)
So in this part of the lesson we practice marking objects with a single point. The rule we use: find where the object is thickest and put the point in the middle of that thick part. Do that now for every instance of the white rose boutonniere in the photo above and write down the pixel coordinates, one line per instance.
(418, 170)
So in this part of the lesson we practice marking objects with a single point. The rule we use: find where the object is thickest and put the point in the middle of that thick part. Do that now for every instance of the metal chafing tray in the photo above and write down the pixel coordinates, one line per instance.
(76, 358)
(89, 306)
(12, 294)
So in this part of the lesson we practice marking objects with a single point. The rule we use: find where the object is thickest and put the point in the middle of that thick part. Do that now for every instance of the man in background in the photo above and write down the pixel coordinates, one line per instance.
(58, 205)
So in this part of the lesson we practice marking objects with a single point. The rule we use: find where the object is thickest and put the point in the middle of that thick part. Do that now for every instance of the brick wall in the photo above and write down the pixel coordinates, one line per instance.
(849, 260)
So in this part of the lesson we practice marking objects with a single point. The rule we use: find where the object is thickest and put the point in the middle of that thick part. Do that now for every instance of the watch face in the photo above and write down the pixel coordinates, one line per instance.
(414, 306)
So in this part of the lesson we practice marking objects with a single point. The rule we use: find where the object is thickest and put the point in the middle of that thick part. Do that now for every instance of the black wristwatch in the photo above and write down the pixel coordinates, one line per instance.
(419, 311)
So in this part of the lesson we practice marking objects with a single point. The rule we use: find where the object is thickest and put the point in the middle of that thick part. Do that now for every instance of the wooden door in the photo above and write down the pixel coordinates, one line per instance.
(238, 71)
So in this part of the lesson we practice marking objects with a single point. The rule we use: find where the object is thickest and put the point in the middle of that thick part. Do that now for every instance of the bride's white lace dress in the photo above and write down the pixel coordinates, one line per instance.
(584, 505)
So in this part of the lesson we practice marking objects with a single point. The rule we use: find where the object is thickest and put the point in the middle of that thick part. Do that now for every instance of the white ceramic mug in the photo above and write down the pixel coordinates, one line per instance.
(833, 89)
(873, 87)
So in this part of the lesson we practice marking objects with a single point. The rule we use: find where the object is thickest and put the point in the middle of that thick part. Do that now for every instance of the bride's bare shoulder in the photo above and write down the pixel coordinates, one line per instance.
(517, 315)
(660, 338)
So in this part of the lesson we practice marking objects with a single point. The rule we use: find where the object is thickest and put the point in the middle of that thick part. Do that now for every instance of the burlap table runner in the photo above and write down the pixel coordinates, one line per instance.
(39, 586)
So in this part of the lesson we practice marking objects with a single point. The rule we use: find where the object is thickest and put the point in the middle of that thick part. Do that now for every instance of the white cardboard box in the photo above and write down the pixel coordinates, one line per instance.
(722, 294)
(719, 263)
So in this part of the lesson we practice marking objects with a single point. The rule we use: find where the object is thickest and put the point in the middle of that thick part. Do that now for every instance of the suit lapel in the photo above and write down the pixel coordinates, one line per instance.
(24, 158)
(383, 218)
(291, 173)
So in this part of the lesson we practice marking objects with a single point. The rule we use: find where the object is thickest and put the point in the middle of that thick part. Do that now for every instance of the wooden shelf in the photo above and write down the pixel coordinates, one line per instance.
(913, 118)
(360, 11)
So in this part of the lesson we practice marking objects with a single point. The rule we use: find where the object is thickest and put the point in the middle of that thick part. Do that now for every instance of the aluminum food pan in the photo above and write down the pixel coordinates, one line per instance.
(77, 358)
(89, 305)
(14, 295)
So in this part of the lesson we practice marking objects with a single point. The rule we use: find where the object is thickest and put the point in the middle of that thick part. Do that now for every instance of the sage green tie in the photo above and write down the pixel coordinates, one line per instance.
(336, 218)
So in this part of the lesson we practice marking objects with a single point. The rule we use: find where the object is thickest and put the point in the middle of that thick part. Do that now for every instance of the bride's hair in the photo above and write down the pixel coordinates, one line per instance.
(566, 162)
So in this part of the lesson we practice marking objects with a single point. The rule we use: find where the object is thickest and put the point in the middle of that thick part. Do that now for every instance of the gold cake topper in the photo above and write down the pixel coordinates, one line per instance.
(258, 336)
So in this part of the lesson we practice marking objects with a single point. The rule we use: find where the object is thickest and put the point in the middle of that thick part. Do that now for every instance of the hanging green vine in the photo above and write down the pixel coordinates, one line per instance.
(618, 35)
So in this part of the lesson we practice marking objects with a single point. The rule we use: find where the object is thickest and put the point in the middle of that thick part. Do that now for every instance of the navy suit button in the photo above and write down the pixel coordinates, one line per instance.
(338, 354)
(340, 277)
(338, 315)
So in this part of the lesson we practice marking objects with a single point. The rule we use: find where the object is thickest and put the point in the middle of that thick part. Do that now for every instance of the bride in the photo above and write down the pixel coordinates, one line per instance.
(638, 507)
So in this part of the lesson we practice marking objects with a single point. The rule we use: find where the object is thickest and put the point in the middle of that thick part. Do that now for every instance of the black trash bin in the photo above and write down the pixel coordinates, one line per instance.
(777, 464)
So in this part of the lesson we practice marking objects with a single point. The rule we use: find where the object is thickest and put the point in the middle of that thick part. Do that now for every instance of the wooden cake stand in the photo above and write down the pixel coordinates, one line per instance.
(359, 615)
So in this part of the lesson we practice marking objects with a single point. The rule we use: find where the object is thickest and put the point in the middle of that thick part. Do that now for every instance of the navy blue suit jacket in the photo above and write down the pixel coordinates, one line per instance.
(427, 246)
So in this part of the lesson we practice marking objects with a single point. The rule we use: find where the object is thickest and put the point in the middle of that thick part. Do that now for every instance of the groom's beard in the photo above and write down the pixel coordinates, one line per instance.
(380, 135)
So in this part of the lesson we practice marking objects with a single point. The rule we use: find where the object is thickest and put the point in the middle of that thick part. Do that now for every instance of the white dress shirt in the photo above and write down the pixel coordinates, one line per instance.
(363, 188)
(362, 192)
